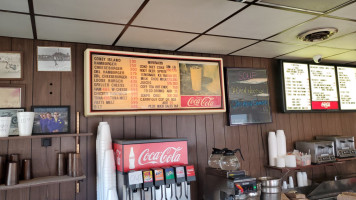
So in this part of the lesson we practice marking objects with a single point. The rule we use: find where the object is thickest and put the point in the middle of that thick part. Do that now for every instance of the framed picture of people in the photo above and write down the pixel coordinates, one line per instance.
(51, 120)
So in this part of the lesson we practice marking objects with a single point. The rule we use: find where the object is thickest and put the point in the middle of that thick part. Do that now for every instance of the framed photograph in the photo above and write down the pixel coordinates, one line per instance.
(12, 96)
(51, 120)
(5, 112)
(54, 59)
(11, 65)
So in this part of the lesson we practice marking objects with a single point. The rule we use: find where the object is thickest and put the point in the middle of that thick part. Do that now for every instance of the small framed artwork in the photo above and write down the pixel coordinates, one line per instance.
(12, 112)
(12, 96)
(11, 65)
(54, 59)
(51, 119)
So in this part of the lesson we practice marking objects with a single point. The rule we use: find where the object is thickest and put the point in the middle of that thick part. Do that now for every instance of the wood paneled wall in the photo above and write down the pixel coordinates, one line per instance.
(203, 131)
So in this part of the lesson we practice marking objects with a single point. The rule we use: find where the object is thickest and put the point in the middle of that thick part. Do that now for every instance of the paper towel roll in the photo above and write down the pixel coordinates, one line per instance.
(281, 143)
(272, 148)
(281, 162)
(300, 179)
(291, 161)
(305, 178)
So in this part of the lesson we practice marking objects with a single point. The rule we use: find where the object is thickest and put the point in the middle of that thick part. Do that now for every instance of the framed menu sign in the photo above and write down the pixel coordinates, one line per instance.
(248, 96)
(323, 87)
(122, 83)
(347, 87)
(296, 86)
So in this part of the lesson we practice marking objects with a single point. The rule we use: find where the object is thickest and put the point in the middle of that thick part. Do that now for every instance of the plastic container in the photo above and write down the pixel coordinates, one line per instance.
(214, 159)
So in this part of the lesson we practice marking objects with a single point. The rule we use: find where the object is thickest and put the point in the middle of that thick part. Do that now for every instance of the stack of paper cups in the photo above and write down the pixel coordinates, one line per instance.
(281, 143)
(109, 173)
(305, 179)
(272, 148)
(281, 161)
(300, 179)
(291, 182)
(291, 161)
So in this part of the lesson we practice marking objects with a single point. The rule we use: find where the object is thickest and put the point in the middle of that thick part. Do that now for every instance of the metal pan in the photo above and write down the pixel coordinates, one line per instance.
(268, 181)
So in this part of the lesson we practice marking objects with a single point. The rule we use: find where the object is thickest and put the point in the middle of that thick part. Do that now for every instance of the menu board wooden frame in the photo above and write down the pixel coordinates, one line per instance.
(193, 85)
(283, 105)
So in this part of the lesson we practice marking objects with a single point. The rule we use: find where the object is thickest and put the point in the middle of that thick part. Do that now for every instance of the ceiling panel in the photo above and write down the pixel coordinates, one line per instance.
(117, 11)
(268, 49)
(76, 31)
(186, 15)
(309, 52)
(342, 58)
(314, 5)
(346, 42)
(347, 12)
(14, 5)
(250, 23)
(290, 36)
(216, 45)
(15, 25)
(154, 39)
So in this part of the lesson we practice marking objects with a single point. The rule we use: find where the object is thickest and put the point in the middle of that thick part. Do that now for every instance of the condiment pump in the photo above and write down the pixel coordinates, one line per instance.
(214, 159)
(229, 160)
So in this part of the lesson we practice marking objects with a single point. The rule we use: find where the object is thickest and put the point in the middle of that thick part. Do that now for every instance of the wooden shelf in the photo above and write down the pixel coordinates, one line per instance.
(345, 159)
(286, 169)
(42, 181)
(45, 136)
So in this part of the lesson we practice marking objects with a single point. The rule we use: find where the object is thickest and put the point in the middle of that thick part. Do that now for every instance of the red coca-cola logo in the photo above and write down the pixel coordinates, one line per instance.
(201, 101)
(325, 104)
(169, 155)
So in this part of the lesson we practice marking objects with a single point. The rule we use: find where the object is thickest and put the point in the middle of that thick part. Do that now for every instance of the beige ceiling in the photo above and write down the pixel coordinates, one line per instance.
(265, 28)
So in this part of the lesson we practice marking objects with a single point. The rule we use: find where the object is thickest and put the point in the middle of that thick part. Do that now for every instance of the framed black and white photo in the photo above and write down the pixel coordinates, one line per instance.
(54, 59)
(11, 66)
(51, 120)
(12, 112)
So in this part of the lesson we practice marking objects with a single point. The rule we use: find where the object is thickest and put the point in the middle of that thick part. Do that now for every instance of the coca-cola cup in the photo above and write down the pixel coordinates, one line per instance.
(196, 75)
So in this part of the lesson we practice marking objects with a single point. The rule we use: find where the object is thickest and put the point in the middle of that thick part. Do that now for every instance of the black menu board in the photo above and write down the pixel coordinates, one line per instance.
(323, 87)
(347, 83)
(296, 86)
(248, 96)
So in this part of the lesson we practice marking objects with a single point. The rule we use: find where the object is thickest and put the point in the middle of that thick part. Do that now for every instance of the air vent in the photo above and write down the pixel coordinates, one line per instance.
(317, 35)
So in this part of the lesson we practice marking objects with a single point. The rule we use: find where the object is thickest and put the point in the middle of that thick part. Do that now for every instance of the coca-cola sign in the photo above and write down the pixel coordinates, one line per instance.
(201, 101)
(151, 155)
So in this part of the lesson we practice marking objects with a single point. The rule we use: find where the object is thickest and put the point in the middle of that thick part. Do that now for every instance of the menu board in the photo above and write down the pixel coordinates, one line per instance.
(347, 87)
(120, 83)
(248, 96)
(296, 86)
(323, 87)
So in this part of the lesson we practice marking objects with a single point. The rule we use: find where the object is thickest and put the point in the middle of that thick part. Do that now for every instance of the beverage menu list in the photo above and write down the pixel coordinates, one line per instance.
(119, 83)
(323, 87)
(347, 84)
(296, 86)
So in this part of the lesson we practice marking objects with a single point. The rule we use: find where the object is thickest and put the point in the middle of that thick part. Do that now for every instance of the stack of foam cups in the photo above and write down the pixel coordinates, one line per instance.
(109, 175)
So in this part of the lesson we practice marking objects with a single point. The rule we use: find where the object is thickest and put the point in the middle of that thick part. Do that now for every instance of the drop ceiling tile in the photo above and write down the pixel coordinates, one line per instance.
(268, 49)
(309, 52)
(342, 58)
(14, 5)
(117, 11)
(15, 25)
(314, 5)
(344, 27)
(49, 28)
(251, 23)
(186, 15)
(347, 12)
(216, 45)
(154, 39)
(346, 42)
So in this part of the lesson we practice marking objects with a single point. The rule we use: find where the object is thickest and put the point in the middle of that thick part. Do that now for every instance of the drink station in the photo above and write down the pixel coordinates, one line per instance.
(154, 169)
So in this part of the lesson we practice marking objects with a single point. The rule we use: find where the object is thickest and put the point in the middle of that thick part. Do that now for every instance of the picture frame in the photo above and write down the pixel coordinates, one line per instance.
(11, 65)
(12, 112)
(12, 96)
(54, 59)
(51, 120)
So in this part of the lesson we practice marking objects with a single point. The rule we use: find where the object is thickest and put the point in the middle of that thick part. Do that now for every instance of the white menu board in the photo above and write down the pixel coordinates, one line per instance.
(347, 87)
(323, 87)
(296, 86)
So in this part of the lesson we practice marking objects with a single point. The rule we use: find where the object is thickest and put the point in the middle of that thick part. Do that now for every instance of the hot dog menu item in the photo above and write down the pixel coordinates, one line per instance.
(347, 83)
(296, 86)
(323, 87)
(134, 83)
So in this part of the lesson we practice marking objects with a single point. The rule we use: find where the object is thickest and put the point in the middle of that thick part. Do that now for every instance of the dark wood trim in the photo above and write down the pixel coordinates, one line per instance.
(33, 21)
(130, 22)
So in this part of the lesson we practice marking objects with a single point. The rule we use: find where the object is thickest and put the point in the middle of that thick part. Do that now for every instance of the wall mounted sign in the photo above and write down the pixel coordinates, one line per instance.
(121, 83)
(248, 96)
(314, 87)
